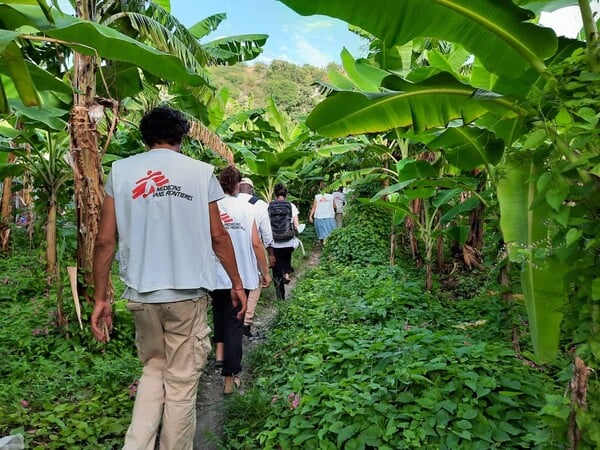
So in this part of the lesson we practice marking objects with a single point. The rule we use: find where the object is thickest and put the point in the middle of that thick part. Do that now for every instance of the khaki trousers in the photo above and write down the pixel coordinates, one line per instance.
(173, 341)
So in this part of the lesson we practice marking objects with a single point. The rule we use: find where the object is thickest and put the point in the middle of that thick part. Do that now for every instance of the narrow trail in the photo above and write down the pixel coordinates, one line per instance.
(210, 393)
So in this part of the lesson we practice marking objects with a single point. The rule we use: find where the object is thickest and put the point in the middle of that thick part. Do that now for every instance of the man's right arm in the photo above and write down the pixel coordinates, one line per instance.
(104, 248)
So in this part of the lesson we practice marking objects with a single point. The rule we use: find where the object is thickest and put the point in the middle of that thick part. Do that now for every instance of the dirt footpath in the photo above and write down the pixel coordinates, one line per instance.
(210, 392)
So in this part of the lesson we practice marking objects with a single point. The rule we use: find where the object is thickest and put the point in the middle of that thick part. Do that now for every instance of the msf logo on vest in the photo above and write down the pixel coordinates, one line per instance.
(149, 184)
(230, 223)
(156, 184)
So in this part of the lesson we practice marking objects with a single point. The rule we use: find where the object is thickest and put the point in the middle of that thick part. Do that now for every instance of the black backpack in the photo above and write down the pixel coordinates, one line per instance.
(280, 215)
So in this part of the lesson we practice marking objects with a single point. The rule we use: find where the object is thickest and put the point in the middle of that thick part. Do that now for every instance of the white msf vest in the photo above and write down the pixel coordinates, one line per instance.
(237, 216)
(161, 203)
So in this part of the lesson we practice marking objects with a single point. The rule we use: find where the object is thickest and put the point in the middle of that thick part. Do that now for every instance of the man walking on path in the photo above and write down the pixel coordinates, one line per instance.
(339, 202)
(261, 218)
(163, 207)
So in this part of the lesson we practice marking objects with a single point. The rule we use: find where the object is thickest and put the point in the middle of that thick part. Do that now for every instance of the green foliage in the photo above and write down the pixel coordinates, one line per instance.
(60, 388)
(394, 368)
(290, 86)
(23, 277)
(364, 238)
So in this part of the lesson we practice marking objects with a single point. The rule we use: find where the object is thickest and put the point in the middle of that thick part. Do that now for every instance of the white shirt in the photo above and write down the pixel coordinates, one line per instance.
(324, 209)
(237, 216)
(339, 201)
(261, 218)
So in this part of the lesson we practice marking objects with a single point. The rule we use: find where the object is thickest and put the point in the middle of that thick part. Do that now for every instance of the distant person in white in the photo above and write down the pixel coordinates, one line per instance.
(323, 214)
(339, 202)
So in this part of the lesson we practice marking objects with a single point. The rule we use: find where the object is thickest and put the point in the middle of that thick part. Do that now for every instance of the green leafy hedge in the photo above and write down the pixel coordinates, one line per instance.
(362, 359)
(58, 391)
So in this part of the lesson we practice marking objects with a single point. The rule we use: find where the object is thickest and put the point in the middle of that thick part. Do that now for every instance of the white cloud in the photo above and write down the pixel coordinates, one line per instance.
(317, 25)
(309, 54)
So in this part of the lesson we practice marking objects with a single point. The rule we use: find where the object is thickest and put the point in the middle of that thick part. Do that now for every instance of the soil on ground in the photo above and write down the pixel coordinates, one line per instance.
(210, 393)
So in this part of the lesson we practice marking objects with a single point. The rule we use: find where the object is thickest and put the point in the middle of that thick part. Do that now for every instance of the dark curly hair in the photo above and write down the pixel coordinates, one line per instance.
(163, 125)
(280, 190)
(229, 178)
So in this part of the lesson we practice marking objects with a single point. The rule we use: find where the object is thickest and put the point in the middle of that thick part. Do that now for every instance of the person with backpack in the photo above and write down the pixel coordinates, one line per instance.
(284, 225)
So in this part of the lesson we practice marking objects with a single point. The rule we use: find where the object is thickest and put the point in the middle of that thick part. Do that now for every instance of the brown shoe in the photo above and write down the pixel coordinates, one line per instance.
(230, 383)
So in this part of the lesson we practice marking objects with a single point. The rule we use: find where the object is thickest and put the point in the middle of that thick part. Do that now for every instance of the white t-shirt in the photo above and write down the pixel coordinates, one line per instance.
(161, 204)
(324, 208)
(261, 218)
(237, 216)
(293, 241)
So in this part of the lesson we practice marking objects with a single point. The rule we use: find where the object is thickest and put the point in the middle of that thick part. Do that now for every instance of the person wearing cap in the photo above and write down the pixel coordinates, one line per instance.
(261, 217)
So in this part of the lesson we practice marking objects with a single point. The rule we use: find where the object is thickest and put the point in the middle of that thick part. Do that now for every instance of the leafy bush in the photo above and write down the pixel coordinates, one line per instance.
(60, 392)
(361, 358)
(364, 238)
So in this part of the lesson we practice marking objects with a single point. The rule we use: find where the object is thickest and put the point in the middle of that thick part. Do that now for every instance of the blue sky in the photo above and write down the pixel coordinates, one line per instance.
(315, 40)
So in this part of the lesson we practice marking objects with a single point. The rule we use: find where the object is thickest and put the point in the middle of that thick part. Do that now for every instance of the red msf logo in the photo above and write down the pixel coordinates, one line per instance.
(147, 186)
(226, 218)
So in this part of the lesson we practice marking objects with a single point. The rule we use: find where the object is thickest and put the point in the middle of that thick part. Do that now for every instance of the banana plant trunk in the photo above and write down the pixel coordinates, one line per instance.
(86, 156)
(51, 267)
(6, 209)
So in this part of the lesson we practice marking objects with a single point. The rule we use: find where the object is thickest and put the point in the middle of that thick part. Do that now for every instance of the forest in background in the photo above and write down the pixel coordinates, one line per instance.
(292, 87)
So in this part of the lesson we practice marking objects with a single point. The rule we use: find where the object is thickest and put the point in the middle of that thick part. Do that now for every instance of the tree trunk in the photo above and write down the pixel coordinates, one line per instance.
(51, 267)
(439, 245)
(86, 156)
(579, 388)
(6, 210)
(416, 208)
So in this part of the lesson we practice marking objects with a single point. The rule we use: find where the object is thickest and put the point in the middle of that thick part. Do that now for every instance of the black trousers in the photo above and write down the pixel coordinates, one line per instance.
(283, 264)
(227, 328)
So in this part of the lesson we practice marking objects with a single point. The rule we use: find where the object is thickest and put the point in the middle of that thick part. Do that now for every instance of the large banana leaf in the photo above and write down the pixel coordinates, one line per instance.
(207, 25)
(495, 31)
(98, 40)
(15, 67)
(234, 49)
(366, 77)
(90, 38)
(46, 115)
(432, 103)
(526, 235)
(469, 147)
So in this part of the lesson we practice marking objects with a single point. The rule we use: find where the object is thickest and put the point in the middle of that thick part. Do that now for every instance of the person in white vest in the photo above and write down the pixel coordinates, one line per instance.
(261, 217)
(323, 214)
(162, 205)
(237, 216)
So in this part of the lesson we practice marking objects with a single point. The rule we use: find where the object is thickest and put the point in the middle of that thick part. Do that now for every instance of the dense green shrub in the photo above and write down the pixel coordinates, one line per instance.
(59, 387)
(364, 238)
(361, 358)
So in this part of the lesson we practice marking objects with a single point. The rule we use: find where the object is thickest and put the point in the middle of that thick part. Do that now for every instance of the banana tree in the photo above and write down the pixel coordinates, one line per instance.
(43, 155)
(510, 79)
(440, 199)
(91, 41)
(270, 145)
